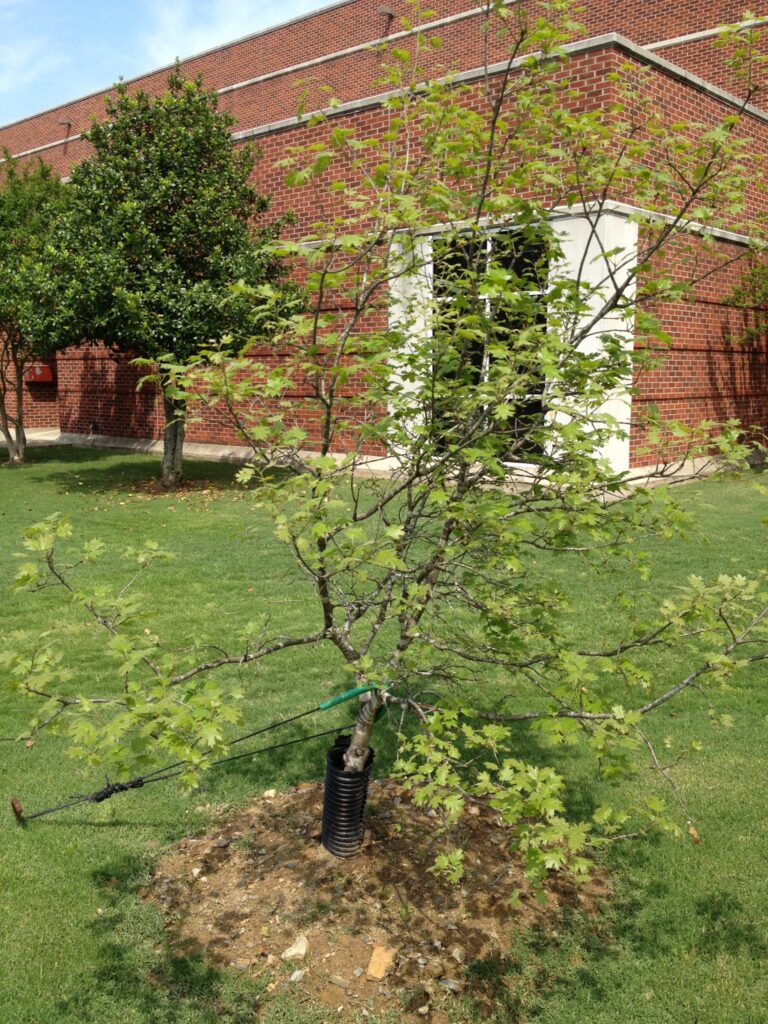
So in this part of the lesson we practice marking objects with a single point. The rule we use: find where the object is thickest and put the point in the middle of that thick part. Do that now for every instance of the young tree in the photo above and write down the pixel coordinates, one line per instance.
(160, 224)
(31, 202)
(466, 364)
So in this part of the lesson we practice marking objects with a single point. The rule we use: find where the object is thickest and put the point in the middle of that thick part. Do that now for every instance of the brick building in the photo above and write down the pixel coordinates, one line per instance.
(708, 373)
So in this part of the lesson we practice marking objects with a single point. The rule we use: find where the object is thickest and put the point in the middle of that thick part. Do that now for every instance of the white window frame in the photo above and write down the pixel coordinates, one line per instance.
(584, 239)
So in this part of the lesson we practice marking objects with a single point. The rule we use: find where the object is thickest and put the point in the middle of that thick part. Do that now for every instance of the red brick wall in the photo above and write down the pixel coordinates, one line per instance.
(710, 372)
(40, 403)
(707, 58)
(702, 374)
(350, 77)
(657, 20)
(97, 394)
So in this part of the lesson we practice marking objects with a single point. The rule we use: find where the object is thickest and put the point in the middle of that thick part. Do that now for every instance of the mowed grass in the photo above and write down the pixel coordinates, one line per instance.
(684, 938)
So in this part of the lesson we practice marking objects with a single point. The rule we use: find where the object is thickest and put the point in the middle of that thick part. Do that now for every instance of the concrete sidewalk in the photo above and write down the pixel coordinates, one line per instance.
(674, 474)
(38, 436)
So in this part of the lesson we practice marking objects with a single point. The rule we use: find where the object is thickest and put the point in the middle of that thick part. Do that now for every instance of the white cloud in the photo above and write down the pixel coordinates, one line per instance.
(21, 62)
(182, 28)
(26, 55)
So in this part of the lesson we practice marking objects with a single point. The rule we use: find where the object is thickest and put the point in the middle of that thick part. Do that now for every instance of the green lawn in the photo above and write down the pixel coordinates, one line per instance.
(684, 939)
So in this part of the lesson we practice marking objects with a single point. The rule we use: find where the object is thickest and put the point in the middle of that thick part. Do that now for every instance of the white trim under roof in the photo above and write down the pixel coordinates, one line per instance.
(628, 210)
(358, 48)
(572, 49)
(475, 74)
(706, 33)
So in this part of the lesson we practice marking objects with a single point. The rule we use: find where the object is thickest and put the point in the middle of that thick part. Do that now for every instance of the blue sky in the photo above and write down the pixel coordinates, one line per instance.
(52, 51)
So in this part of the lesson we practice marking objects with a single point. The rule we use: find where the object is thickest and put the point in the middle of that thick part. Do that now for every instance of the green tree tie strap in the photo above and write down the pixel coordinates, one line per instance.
(347, 695)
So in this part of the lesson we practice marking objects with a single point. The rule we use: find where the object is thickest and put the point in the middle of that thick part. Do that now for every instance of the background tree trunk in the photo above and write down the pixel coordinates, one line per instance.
(21, 434)
(12, 383)
(14, 455)
(173, 441)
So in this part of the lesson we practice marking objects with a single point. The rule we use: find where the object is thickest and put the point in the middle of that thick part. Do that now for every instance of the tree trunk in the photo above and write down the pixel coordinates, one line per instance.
(14, 434)
(14, 455)
(173, 441)
(357, 752)
(12, 384)
(20, 444)
(5, 429)
(21, 435)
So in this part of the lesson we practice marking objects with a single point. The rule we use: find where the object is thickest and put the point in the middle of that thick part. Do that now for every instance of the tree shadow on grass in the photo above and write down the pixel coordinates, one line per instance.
(724, 929)
(100, 470)
(728, 926)
(137, 977)
(717, 923)
(172, 990)
(641, 923)
(515, 987)
(503, 989)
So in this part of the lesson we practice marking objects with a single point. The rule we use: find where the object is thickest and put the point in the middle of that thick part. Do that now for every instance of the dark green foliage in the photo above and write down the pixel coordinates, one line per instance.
(161, 223)
(30, 203)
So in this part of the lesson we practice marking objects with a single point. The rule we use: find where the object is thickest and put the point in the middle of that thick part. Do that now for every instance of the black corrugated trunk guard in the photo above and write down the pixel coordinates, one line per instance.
(344, 802)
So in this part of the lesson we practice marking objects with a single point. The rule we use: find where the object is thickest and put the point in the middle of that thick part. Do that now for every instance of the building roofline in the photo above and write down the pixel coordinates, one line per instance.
(183, 60)
(246, 38)
(436, 23)
(606, 40)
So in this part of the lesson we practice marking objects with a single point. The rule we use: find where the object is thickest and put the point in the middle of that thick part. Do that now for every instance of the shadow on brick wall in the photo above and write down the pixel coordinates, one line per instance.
(98, 395)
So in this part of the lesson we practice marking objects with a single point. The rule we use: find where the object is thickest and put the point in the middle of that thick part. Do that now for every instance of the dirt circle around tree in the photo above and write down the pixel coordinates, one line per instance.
(376, 935)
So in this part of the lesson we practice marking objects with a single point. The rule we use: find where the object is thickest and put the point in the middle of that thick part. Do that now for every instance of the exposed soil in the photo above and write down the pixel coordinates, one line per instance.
(249, 890)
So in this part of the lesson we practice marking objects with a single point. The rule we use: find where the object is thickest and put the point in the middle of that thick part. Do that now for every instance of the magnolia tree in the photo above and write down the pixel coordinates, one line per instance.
(465, 352)
(161, 221)
(31, 200)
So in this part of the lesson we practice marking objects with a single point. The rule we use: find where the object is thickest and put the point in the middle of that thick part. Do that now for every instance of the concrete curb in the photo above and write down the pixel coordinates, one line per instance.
(192, 449)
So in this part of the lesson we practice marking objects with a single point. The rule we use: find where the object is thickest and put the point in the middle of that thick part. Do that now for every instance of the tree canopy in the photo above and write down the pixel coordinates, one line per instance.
(31, 204)
(465, 354)
(161, 222)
